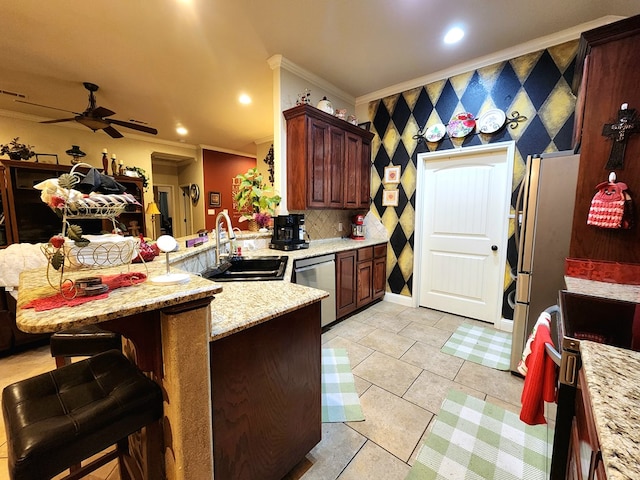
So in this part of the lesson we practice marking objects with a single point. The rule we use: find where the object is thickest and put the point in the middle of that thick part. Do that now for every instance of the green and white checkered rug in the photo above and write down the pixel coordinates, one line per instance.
(340, 401)
(485, 346)
(474, 440)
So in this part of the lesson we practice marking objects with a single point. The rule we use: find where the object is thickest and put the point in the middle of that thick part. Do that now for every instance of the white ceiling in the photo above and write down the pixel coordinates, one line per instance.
(169, 62)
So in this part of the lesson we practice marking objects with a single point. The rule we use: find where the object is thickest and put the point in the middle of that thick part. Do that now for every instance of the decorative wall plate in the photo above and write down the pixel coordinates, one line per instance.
(461, 125)
(491, 121)
(435, 132)
(194, 193)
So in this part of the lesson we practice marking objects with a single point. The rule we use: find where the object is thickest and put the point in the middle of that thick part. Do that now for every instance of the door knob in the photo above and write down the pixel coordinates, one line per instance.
(494, 248)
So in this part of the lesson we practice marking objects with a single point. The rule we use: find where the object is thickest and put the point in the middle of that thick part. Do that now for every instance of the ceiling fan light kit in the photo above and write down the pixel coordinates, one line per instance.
(95, 117)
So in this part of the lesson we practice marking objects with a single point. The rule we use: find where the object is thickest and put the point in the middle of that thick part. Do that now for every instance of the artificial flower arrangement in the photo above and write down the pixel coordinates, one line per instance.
(256, 198)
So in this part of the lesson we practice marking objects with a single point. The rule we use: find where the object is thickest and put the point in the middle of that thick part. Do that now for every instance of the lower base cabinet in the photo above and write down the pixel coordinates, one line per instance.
(585, 457)
(361, 278)
(265, 391)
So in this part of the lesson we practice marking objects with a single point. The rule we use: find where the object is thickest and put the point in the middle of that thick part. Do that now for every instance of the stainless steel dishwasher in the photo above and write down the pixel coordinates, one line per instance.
(320, 273)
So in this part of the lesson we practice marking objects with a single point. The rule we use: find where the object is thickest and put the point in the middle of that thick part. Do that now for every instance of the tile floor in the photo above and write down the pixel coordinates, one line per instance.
(401, 377)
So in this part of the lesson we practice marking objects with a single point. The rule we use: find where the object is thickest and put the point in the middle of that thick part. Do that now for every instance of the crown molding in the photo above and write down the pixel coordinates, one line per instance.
(279, 61)
(535, 45)
(226, 150)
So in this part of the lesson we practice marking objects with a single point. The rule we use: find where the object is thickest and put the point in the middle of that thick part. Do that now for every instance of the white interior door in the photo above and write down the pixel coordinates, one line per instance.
(465, 209)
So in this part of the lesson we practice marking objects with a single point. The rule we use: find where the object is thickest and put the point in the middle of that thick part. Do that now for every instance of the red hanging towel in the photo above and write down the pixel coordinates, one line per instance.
(540, 379)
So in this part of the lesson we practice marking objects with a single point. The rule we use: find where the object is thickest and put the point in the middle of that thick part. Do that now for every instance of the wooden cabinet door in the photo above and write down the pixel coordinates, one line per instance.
(345, 283)
(317, 164)
(335, 178)
(365, 176)
(379, 277)
(352, 171)
(364, 280)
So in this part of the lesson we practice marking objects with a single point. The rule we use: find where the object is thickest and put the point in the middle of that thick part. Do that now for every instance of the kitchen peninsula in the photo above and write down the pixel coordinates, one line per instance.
(170, 332)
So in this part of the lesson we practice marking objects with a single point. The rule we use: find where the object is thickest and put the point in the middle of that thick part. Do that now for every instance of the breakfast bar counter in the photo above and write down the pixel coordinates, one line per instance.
(190, 338)
(167, 332)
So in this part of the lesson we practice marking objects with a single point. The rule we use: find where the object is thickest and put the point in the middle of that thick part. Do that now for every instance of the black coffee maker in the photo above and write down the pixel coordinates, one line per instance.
(289, 232)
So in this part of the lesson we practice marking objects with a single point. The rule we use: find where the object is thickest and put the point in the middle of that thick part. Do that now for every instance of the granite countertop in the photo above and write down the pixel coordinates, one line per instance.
(120, 302)
(237, 305)
(241, 305)
(616, 291)
(612, 382)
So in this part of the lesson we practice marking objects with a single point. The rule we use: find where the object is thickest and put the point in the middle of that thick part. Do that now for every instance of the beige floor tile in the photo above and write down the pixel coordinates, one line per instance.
(3, 448)
(357, 353)
(4, 469)
(373, 462)
(450, 322)
(387, 372)
(391, 422)
(424, 316)
(328, 335)
(432, 359)
(337, 448)
(502, 404)
(361, 385)
(387, 321)
(426, 334)
(352, 329)
(388, 307)
(386, 342)
(429, 391)
(416, 450)
(495, 383)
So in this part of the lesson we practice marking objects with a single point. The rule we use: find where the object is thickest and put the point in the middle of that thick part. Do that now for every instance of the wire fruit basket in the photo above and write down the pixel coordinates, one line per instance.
(72, 250)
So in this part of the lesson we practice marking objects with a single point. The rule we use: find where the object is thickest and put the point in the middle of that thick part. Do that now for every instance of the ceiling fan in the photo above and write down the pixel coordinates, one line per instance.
(95, 117)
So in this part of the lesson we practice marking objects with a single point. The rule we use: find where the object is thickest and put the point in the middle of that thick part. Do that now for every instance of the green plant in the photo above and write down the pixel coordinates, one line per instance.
(141, 173)
(17, 151)
(254, 196)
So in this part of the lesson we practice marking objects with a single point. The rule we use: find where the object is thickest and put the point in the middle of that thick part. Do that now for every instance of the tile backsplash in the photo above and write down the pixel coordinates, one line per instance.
(321, 224)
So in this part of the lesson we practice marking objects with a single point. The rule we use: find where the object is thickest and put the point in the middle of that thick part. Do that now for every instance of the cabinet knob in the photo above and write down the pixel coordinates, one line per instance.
(494, 248)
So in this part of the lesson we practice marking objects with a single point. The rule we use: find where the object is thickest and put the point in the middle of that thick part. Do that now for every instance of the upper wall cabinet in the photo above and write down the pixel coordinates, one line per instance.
(607, 71)
(328, 161)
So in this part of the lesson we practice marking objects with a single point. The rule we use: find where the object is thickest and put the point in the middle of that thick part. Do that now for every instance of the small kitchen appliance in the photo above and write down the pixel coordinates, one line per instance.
(357, 227)
(289, 232)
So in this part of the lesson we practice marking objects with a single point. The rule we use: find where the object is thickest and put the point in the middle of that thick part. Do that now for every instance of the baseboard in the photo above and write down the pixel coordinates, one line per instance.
(398, 299)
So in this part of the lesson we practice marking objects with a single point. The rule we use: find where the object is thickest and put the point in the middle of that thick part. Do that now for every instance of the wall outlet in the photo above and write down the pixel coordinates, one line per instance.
(339, 226)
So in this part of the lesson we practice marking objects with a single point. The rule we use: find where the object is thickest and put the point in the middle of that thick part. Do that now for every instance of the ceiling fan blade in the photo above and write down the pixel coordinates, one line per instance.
(59, 120)
(134, 126)
(112, 132)
(101, 112)
(46, 106)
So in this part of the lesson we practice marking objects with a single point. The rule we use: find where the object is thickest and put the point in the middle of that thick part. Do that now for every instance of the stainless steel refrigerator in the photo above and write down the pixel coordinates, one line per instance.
(544, 211)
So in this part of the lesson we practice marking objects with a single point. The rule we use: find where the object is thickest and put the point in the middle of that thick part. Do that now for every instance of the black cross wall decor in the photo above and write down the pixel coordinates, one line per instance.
(619, 132)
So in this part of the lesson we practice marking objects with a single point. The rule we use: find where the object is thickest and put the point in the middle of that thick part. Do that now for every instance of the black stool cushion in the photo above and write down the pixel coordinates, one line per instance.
(56, 419)
(83, 341)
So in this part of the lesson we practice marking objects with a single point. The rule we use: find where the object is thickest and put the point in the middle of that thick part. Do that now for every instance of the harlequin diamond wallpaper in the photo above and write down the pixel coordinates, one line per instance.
(536, 86)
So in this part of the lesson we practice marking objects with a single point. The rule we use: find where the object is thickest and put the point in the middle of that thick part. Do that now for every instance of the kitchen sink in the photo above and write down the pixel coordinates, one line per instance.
(242, 269)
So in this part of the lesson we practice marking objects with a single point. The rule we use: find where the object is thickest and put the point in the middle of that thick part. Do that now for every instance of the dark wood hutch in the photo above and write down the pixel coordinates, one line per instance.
(25, 218)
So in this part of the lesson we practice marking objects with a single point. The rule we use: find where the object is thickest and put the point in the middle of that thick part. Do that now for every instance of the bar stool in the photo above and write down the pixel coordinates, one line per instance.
(82, 342)
(59, 418)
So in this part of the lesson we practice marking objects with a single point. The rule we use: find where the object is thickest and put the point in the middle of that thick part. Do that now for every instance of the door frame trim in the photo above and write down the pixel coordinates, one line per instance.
(509, 149)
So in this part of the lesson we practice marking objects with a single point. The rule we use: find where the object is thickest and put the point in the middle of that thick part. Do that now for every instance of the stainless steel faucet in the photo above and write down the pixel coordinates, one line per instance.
(231, 234)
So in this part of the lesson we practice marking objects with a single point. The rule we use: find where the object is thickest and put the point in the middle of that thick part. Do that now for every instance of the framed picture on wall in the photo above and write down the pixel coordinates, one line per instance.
(214, 199)
(392, 174)
(390, 198)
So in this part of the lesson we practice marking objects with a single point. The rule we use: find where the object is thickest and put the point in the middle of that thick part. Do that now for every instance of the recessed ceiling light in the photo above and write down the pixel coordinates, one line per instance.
(454, 35)
(182, 131)
(244, 99)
